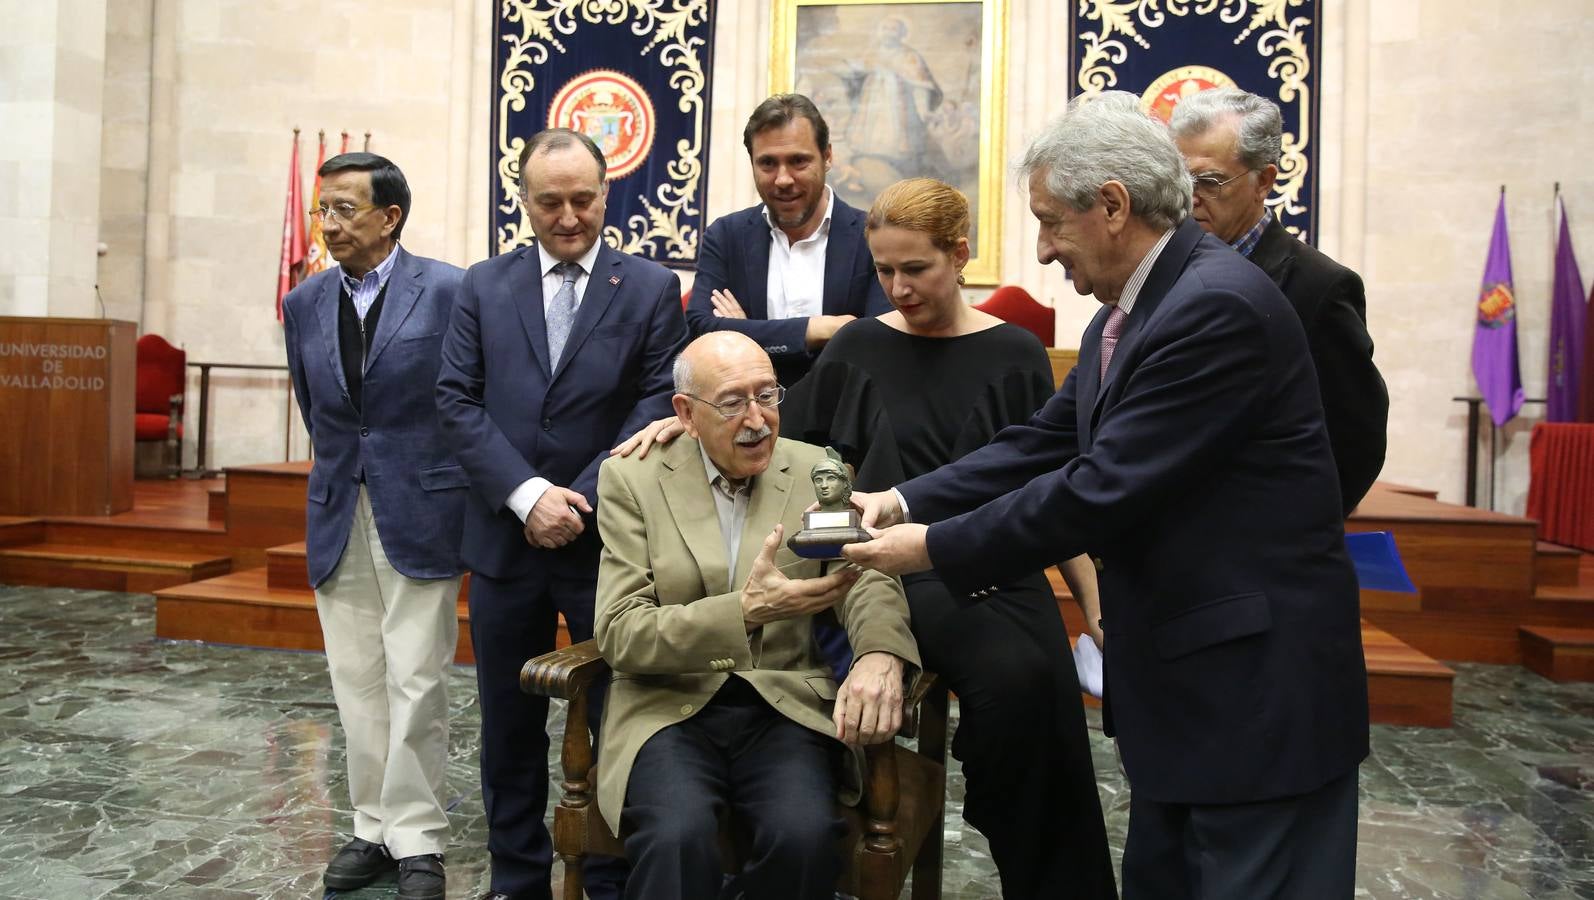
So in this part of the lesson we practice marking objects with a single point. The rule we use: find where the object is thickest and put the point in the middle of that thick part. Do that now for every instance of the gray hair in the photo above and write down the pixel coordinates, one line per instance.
(1258, 124)
(681, 373)
(1107, 137)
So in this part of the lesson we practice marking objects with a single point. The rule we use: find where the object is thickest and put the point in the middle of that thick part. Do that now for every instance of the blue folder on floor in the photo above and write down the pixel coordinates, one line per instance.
(1377, 562)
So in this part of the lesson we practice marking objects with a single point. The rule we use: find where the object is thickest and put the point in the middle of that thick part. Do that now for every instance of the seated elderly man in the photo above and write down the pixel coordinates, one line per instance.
(721, 701)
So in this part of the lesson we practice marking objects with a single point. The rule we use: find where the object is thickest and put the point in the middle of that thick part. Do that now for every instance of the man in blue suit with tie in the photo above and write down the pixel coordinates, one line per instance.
(791, 271)
(386, 499)
(555, 352)
(1187, 453)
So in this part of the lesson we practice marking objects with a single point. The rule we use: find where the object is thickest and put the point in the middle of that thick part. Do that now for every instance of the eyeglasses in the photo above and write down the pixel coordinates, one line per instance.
(1211, 185)
(769, 398)
(344, 212)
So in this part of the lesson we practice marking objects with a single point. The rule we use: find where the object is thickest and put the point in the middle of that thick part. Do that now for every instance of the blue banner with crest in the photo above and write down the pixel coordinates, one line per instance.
(634, 76)
(1165, 49)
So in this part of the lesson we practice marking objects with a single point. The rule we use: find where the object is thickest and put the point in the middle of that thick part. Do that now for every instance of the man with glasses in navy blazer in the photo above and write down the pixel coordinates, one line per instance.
(555, 352)
(383, 519)
(793, 270)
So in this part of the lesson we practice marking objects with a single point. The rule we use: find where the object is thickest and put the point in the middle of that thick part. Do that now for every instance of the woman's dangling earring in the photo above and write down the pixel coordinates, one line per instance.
(960, 278)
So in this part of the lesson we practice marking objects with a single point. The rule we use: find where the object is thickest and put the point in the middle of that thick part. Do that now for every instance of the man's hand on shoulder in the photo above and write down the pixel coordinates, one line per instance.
(769, 596)
(822, 328)
(726, 306)
(659, 431)
(869, 704)
(554, 520)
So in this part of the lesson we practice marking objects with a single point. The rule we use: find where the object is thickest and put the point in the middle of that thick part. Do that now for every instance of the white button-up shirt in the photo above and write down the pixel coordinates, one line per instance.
(797, 271)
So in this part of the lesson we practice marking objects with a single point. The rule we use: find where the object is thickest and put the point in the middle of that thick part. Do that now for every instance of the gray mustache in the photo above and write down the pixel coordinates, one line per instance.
(752, 435)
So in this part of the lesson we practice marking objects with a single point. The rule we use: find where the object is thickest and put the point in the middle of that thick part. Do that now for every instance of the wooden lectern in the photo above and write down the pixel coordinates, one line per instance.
(66, 416)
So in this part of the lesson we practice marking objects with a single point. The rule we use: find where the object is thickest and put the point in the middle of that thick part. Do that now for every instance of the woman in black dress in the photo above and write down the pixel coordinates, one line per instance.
(908, 392)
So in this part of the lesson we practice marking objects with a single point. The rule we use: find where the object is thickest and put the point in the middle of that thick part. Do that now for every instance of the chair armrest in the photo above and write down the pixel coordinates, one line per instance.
(913, 705)
(563, 673)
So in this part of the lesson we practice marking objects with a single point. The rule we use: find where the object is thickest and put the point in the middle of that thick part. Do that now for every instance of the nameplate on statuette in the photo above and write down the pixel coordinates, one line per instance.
(843, 519)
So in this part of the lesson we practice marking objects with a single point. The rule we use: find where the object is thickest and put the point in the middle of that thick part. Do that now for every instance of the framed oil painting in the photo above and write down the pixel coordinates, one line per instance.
(910, 88)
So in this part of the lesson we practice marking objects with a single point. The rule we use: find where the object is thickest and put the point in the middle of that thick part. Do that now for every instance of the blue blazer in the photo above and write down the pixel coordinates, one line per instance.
(511, 418)
(417, 488)
(735, 255)
(1199, 474)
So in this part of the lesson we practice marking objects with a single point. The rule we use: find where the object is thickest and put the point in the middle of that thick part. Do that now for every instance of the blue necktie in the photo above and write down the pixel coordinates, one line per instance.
(562, 312)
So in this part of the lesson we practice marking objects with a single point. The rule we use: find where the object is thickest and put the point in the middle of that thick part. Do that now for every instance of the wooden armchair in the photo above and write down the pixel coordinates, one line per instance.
(897, 828)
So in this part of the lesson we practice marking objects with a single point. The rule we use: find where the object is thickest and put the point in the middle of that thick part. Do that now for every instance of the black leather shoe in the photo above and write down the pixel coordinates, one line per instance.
(421, 877)
(358, 864)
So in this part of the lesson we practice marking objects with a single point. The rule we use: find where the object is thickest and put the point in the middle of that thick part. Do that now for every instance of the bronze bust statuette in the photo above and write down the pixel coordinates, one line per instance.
(836, 521)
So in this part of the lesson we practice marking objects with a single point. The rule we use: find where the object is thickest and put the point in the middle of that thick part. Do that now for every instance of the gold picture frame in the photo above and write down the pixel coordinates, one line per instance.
(919, 100)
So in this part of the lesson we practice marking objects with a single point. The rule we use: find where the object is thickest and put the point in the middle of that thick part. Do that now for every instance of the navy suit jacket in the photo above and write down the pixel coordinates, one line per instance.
(735, 256)
(417, 488)
(1333, 308)
(1199, 474)
(511, 418)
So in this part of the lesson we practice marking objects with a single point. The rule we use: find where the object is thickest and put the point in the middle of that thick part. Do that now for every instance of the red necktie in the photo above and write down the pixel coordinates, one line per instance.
(1109, 338)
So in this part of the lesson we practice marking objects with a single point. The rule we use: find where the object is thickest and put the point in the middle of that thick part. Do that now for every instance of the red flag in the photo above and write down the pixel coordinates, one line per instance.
(316, 251)
(291, 270)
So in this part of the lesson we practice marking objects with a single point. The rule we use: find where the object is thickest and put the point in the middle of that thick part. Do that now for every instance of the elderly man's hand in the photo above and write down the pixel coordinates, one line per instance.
(770, 596)
(869, 704)
(658, 431)
(898, 550)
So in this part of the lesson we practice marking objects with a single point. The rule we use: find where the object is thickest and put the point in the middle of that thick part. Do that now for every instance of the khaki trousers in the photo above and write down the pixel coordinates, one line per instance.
(390, 639)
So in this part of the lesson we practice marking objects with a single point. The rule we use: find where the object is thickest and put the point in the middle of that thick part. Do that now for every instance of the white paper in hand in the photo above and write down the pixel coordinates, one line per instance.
(1087, 662)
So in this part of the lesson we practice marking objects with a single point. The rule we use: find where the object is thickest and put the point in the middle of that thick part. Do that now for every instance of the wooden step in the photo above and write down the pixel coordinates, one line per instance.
(285, 567)
(20, 530)
(1404, 685)
(1555, 565)
(1406, 489)
(265, 507)
(243, 608)
(106, 568)
(1559, 654)
(1574, 596)
(216, 503)
(286, 570)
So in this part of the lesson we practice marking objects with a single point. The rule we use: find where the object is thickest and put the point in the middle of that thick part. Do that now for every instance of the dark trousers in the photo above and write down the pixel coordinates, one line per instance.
(1030, 785)
(736, 757)
(1302, 846)
(511, 621)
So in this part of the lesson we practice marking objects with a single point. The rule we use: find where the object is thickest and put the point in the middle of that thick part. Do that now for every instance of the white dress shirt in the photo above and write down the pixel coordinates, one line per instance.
(796, 283)
(524, 497)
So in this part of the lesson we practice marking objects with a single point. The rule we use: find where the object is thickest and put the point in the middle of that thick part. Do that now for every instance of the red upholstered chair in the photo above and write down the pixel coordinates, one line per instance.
(1011, 303)
(162, 376)
(686, 297)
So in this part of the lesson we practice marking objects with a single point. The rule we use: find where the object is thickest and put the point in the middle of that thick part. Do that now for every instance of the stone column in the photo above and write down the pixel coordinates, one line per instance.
(52, 74)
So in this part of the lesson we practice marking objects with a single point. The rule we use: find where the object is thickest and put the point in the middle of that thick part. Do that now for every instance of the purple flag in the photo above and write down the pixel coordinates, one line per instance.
(1567, 312)
(1494, 342)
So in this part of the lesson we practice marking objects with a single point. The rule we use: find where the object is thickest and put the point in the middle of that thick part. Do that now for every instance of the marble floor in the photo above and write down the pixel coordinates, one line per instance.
(131, 767)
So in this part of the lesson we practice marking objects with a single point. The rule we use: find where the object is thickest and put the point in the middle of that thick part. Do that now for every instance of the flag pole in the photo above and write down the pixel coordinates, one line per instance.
(367, 147)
